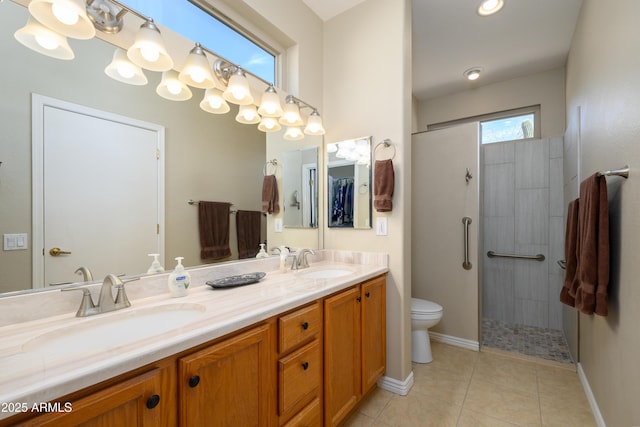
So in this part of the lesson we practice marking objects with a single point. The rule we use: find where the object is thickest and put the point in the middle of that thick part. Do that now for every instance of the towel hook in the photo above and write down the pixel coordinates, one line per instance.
(468, 176)
(272, 162)
(386, 144)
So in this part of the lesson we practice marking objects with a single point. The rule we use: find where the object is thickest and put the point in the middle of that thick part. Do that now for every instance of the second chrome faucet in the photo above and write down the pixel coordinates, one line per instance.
(106, 301)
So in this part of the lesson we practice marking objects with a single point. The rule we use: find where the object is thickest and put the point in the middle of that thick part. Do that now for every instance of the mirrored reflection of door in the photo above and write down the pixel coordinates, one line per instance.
(101, 193)
(300, 188)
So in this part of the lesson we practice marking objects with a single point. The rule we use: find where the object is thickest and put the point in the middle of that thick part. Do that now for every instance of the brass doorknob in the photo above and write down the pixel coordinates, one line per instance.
(58, 252)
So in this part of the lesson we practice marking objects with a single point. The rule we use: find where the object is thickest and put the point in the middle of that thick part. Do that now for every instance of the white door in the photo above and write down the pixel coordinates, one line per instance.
(100, 194)
(441, 198)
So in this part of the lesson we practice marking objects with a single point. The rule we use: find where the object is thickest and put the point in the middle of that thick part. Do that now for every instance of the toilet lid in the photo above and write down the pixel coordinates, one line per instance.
(424, 306)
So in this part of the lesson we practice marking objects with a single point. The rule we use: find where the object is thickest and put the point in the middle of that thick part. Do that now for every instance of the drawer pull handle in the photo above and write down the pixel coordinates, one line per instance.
(368, 294)
(194, 381)
(153, 401)
(305, 365)
(305, 325)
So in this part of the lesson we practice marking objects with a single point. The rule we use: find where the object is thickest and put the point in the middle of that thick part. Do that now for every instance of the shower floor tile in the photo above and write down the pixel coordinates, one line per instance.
(548, 344)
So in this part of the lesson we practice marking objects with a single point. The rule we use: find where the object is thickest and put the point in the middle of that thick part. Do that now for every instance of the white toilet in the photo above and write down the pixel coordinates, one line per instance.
(424, 315)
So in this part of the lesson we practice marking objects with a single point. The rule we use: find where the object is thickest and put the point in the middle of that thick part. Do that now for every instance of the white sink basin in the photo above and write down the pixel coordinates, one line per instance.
(328, 273)
(96, 334)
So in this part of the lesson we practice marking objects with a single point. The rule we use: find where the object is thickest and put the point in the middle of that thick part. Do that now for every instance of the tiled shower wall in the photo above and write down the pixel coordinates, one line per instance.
(522, 212)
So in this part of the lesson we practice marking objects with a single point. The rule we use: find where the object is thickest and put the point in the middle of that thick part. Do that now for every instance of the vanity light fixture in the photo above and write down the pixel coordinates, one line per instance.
(293, 133)
(472, 73)
(197, 71)
(213, 102)
(172, 88)
(270, 105)
(125, 71)
(489, 7)
(106, 16)
(148, 49)
(269, 124)
(314, 124)
(291, 114)
(237, 90)
(41, 39)
(248, 115)
(67, 17)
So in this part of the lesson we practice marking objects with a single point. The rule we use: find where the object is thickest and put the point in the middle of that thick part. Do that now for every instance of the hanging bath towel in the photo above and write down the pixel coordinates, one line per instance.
(270, 195)
(213, 222)
(248, 230)
(384, 181)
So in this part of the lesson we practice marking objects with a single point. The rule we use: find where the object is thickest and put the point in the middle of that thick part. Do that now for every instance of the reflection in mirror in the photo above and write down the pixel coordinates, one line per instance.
(300, 188)
(349, 183)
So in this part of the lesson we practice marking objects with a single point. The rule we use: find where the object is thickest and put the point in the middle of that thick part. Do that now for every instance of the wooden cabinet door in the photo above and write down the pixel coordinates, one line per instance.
(140, 401)
(228, 384)
(342, 354)
(374, 347)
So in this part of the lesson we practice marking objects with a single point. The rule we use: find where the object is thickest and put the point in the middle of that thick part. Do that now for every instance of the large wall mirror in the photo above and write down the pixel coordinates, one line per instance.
(349, 183)
(300, 188)
(206, 156)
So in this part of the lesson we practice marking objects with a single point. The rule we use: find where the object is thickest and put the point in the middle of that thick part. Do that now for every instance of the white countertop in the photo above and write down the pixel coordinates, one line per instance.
(29, 377)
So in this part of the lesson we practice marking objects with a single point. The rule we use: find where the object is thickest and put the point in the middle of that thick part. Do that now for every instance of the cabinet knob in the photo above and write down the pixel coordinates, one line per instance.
(367, 294)
(153, 401)
(359, 299)
(305, 365)
(305, 325)
(194, 381)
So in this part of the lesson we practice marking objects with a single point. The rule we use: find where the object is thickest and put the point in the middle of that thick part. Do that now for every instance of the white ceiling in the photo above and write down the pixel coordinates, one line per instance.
(449, 37)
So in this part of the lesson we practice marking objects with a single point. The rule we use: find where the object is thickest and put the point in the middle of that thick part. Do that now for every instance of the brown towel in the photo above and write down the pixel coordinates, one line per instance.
(270, 195)
(383, 185)
(213, 222)
(568, 292)
(248, 230)
(593, 247)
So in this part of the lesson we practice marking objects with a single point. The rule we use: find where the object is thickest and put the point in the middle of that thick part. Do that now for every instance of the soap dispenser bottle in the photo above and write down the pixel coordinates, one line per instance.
(179, 280)
(284, 253)
(262, 253)
(155, 266)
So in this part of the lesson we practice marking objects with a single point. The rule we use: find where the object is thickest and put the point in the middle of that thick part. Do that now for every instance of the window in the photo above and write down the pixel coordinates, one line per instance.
(521, 123)
(199, 25)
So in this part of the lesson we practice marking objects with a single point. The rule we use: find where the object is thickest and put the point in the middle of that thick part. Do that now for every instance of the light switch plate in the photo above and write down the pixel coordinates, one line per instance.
(277, 224)
(15, 242)
(381, 226)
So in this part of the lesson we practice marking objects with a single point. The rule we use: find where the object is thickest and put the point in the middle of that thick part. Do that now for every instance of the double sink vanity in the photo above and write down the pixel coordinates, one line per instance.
(297, 348)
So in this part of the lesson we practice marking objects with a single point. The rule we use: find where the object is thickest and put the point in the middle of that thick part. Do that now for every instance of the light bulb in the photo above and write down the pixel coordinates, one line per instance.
(215, 102)
(174, 87)
(47, 41)
(150, 53)
(126, 69)
(64, 13)
(197, 75)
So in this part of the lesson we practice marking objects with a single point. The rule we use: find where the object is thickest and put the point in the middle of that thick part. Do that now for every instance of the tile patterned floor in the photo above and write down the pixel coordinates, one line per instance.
(464, 388)
(548, 344)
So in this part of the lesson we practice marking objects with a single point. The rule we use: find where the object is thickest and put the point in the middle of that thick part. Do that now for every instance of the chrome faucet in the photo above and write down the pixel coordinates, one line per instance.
(300, 259)
(86, 274)
(106, 301)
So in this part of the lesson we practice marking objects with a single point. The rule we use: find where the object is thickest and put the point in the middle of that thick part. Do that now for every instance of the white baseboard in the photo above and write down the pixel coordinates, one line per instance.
(458, 342)
(395, 386)
(590, 397)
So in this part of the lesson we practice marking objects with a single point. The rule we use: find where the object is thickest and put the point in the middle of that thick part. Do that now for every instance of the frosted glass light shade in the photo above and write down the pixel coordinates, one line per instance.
(197, 71)
(172, 88)
(314, 124)
(67, 17)
(41, 39)
(248, 115)
(213, 102)
(237, 90)
(125, 71)
(148, 51)
(293, 134)
(269, 124)
(270, 105)
(291, 114)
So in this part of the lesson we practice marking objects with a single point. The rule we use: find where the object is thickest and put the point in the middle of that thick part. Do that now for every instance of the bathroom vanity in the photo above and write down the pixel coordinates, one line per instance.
(297, 348)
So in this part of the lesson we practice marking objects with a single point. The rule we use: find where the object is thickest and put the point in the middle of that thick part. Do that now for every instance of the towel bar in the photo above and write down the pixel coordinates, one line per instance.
(623, 172)
(539, 257)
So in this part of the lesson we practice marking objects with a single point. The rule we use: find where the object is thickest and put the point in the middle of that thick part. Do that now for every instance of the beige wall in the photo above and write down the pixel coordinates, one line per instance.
(546, 89)
(602, 80)
(363, 47)
(203, 152)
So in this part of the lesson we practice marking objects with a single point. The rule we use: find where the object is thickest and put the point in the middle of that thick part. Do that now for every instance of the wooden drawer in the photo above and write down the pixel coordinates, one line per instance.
(310, 416)
(299, 326)
(299, 376)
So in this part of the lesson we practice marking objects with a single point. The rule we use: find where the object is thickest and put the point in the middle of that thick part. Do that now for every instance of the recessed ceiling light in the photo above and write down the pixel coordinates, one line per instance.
(473, 73)
(489, 7)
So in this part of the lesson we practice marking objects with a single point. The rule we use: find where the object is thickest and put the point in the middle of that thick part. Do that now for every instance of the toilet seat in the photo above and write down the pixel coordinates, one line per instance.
(421, 306)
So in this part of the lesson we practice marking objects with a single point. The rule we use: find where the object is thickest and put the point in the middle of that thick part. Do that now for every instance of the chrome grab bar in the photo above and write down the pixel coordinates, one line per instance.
(466, 264)
(539, 257)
